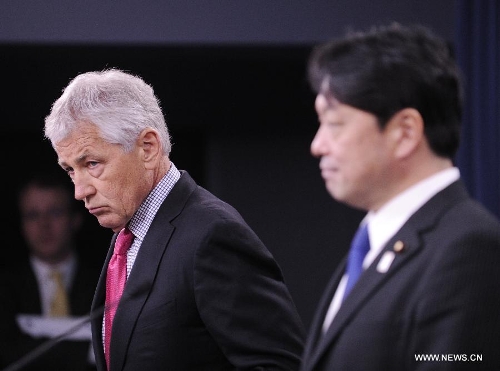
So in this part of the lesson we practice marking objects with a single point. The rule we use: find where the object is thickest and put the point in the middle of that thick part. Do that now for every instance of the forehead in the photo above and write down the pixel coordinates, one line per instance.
(81, 142)
(79, 136)
(329, 108)
(44, 196)
(324, 103)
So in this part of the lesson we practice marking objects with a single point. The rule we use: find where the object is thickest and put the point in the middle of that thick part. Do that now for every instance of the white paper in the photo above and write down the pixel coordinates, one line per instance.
(40, 326)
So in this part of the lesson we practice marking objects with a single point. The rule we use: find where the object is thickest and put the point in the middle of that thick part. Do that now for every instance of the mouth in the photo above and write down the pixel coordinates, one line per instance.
(96, 210)
(327, 172)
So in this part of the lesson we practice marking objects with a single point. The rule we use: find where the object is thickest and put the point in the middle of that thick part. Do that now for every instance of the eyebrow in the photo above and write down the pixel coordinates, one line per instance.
(79, 159)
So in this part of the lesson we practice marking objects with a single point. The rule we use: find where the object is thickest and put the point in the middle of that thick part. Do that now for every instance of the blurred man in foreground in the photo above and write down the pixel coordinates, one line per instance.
(422, 275)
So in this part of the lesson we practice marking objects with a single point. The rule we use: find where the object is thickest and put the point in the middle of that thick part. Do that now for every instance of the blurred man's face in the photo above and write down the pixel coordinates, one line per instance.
(354, 154)
(47, 222)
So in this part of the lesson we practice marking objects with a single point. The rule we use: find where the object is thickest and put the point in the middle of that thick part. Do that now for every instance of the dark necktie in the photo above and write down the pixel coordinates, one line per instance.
(115, 282)
(359, 248)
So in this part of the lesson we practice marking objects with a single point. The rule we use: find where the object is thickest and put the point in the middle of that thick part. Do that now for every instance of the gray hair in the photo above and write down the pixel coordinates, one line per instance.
(121, 105)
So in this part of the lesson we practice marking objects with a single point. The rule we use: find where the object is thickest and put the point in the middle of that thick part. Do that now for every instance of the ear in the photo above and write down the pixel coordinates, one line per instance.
(150, 147)
(407, 129)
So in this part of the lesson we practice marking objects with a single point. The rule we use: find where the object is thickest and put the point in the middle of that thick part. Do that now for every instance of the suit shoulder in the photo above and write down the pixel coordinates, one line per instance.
(472, 215)
(208, 205)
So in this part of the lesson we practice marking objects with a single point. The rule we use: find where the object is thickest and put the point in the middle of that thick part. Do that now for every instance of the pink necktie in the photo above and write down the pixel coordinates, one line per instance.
(115, 282)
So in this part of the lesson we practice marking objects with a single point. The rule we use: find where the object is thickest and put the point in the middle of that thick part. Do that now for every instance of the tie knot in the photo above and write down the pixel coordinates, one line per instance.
(123, 241)
(56, 275)
(360, 243)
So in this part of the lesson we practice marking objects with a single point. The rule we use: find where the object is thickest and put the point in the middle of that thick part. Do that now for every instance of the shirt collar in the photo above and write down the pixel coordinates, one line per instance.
(384, 223)
(143, 217)
(43, 269)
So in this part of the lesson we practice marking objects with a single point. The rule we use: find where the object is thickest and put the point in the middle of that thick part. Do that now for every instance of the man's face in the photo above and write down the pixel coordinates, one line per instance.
(111, 182)
(47, 222)
(354, 154)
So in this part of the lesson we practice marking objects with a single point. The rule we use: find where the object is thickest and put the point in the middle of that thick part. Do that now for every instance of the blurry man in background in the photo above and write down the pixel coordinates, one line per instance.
(53, 286)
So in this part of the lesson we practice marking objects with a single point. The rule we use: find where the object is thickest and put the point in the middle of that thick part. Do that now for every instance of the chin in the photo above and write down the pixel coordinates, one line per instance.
(343, 197)
(106, 222)
(335, 193)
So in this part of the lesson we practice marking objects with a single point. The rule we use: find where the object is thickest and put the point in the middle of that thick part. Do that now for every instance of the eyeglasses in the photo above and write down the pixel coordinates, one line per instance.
(54, 213)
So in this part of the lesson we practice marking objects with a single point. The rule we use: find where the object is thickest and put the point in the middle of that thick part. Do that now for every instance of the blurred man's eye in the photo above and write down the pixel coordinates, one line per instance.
(40, 215)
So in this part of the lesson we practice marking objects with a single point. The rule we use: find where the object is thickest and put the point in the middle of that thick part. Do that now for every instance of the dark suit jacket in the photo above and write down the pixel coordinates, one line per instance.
(204, 294)
(19, 295)
(440, 296)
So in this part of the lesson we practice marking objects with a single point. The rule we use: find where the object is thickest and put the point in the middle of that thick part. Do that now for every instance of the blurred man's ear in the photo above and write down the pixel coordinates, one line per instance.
(408, 130)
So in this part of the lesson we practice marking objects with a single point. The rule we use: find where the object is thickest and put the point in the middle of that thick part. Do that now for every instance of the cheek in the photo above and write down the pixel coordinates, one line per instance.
(29, 229)
(117, 182)
(63, 227)
(118, 191)
(371, 165)
(126, 189)
(346, 151)
(359, 160)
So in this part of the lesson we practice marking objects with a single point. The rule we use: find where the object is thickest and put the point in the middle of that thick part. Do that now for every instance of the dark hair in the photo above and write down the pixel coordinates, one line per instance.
(49, 180)
(389, 68)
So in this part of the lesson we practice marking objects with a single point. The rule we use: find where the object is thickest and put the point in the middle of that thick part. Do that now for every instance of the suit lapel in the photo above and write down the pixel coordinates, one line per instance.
(369, 283)
(372, 279)
(315, 332)
(29, 292)
(137, 289)
(97, 309)
(143, 274)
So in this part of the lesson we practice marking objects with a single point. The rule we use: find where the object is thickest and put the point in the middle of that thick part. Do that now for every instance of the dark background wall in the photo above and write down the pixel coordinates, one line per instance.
(231, 79)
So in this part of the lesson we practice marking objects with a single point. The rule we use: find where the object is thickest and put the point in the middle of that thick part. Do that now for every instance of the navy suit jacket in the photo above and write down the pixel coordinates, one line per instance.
(19, 295)
(440, 296)
(204, 294)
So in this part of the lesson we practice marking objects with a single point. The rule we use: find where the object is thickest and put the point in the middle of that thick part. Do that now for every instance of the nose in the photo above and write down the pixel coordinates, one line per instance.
(83, 188)
(318, 145)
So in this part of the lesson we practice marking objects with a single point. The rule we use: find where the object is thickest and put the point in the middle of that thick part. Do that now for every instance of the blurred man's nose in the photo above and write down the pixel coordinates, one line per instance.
(318, 145)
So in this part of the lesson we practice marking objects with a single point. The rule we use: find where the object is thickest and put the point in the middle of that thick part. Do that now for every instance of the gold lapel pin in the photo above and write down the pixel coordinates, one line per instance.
(398, 246)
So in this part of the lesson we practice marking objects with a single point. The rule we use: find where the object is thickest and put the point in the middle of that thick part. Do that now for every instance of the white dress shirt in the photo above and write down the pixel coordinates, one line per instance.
(46, 285)
(385, 223)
